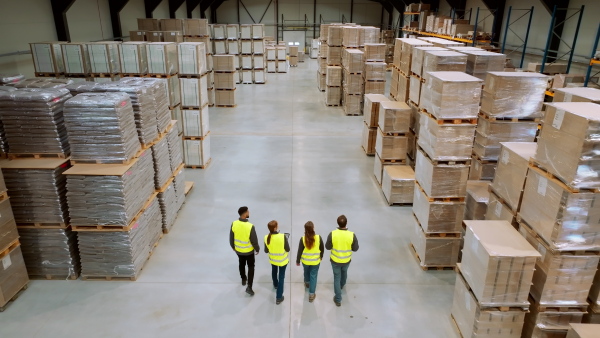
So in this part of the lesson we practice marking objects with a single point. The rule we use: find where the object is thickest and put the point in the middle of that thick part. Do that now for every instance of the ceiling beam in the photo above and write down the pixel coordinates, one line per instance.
(115, 7)
(150, 6)
(59, 11)
(190, 5)
(174, 6)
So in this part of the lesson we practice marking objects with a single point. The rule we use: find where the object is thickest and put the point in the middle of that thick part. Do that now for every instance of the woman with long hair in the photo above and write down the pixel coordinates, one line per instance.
(310, 253)
(277, 246)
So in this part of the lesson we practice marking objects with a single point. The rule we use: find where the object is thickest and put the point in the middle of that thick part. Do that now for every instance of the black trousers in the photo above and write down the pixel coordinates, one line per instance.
(248, 259)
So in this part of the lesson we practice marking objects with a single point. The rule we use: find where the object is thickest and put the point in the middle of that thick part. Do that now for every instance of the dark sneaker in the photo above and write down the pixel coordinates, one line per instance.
(306, 285)
(312, 297)
(336, 302)
(244, 280)
(249, 291)
(278, 301)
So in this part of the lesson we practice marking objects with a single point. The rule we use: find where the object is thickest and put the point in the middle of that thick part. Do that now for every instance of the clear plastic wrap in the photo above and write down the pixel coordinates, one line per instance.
(11, 79)
(443, 61)
(374, 87)
(76, 58)
(390, 147)
(498, 211)
(48, 83)
(197, 152)
(120, 253)
(224, 63)
(375, 71)
(583, 94)
(498, 263)
(50, 252)
(233, 31)
(350, 36)
(441, 180)
(333, 96)
(437, 216)
(324, 32)
(352, 104)
(433, 251)
(104, 57)
(398, 184)
(101, 127)
(82, 87)
(162, 163)
(176, 148)
(369, 136)
(13, 276)
(490, 133)
(403, 88)
(473, 320)
(195, 122)
(566, 220)
(168, 206)
(37, 190)
(569, 144)
(482, 169)
(192, 58)
(371, 108)
(194, 92)
(47, 57)
(478, 197)
(549, 324)
(32, 111)
(511, 171)
(394, 117)
(481, 62)
(353, 83)
(418, 56)
(451, 95)
(368, 35)
(101, 194)
(514, 94)
(353, 60)
(162, 58)
(374, 52)
(161, 90)
(335, 35)
(414, 90)
(446, 142)
(333, 76)
(406, 47)
(179, 184)
(334, 56)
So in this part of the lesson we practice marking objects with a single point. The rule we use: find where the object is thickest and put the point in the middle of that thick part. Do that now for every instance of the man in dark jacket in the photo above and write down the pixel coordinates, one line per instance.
(243, 240)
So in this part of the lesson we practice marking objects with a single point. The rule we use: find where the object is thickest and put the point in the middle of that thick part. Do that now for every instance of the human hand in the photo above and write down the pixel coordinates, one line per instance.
(256, 253)
(297, 264)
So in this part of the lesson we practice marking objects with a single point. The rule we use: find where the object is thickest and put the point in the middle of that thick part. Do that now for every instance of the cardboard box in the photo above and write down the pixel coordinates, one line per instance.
(282, 66)
(272, 66)
(353, 83)
(137, 35)
(418, 56)
(433, 251)
(368, 34)
(246, 31)
(281, 53)
(451, 95)
(13, 275)
(443, 61)
(171, 25)
(372, 87)
(225, 97)
(511, 171)
(577, 95)
(369, 136)
(258, 31)
(195, 122)
(155, 36)
(352, 60)
(566, 146)
(8, 228)
(162, 58)
(375, 71)
(391, 147)
(394, 117)
(194, 92)
(549, 68)
(219, 31)
(497, 263)
(233, 47)
(134, 59)
(446, 142)
(258, 46)
(436, 216)
(247, 62)
(335, 35)
(192, 58)
(461, 29)
(220, 47)
(406, 46)
(172, 36)
(401, 94)
(246, 47)
(197, 152)
(224, 63)
(374, 52)
(441, 180)
(398, 184)
(473, 320)
(482, 169)
(583, 330)
(148, 24)
(371, 108)
(478, 197)
(352, 104)
(76, 58)
(334, 76)
(490, 133)
(333, 96)
(549, 323)
(334, 56)
(479, 63)
(104, 57)
(514, 94)
(233, 31)
(196, 27)
(225, 80)
(498, 211)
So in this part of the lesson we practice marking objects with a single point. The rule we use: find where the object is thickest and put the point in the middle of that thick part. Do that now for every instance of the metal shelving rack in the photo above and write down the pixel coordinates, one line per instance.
(552, 33)
(593, 62)
(527, 12)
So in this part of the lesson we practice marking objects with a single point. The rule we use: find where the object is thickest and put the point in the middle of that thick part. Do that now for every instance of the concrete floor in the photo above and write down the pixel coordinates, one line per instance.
(290, 158)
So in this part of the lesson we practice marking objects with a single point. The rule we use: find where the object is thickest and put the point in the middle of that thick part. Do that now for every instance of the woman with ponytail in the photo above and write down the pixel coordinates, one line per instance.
(310, 252)
(277, 246)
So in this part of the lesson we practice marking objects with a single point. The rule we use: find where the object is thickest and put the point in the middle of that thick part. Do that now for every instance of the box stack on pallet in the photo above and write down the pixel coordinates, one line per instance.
(219, 38)
(225, 82)
(371, 119)
(13, 272)
(400, 84)
(511, 108)
(314, 48)
(387, 38)
(374, 68)
(104, 60)
(276, 59)
(246, 57)
(493, 281)
(293, 52)
(47, 59)
(322, 57)
(333, 55)
(258, 57)
(282, 64)
(233, 48)
(352, 78)
(333, 82)
(477, 200)
(559, 212)
(198, 30)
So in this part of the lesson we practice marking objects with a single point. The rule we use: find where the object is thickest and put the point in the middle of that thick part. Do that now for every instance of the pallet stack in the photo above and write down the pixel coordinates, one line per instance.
(314, 48)
(333, 82)
(401, 67)
(225, 82)
(374, 68)
(293, 52)
(258, 57)
(559, 211)
(219, 38)
(276, 59)
(234, 48)
(387, 38)
(246, 59)
(477, 200)
(198, 30)
(322, 56)
(371, 119)
(352, 78)
(47, 59)
(391, 140)
(511, 108)
(493, 281)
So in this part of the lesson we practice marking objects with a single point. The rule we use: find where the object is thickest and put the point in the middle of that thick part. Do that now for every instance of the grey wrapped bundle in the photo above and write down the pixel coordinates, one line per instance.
(37, 195)
(82, 87)
(143, 108)
(162, 163)
(50, 252)
(175, 148)
(33, 120)
(120, 253)
(101, 127)
(48, 83)
(11, 79)
(3, 142)
(168, 206)
(179, 184)
(158, 88)
(109, 194)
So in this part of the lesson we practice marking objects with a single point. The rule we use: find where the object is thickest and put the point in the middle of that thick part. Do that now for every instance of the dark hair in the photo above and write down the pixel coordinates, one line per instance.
(272, 225)
(342, 221)
(242, 210)
(309, 234)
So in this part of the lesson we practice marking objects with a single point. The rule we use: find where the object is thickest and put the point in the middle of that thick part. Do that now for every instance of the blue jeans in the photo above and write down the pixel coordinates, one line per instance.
(340, 274)
(310, 276)
(278, 282)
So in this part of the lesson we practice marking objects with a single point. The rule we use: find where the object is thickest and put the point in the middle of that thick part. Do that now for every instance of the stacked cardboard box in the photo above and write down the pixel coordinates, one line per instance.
(374, 68)
(219, 39)
(371, 119)
(352, 80)
(225, 80)
(333, 81)
(478, 197)
(481, 62)
(293, 52)
(493, 280)
(403, 51)
(387, 38)
(397, 184)
(583, 94)
(259, 74)
(314, 49)
(47, 58)
(391, 140)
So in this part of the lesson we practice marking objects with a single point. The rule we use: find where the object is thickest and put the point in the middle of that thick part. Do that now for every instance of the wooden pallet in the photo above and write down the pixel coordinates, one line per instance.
(449, 121)
(384, 161)
(226, 105)
(49, 74)
(192, 166)
(508, 119)
(191, 76)
(3, 195)
(161, 76)
(104, 75)
(78, 76)
(9, 248)
(456, 325)
(13, 298)
(14, 156)
(429, 267)
(166, 185)
(133, 75)
(188, 187)
(540, 169)
(366, 152)
(109, 278)
(439, 199)
(444, 162)
(353, 114)
(54, 277)
(559, 308)
(42, 225)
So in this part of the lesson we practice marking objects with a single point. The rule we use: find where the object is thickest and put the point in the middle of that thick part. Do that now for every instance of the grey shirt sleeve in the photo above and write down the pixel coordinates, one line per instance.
(300, 251)
(321, 247)
(231, 242)
(286, 244)
(254, 239)
(355, 244)
(329, 244)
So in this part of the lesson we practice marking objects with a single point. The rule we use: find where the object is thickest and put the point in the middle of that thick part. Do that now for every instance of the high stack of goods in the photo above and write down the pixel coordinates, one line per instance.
(258, 57)
(334, 45)
(163, 63)
(391, 141)
(511, 108)
(246, 62)
(276, 59)
(219, 39)
(322, 56)
(375, 68)
(314, 48)
(387, 38)
(583, 94)
(198, 30)
(225, 83)
(352, 79)
(476, 203)
(293, 52)
(104, 60)
(559, 210)
(333, 81)
(13, 274)
(47, 59)
(282, 65)
(493, 281)
(402, 60)
(371, 119)
(233, 48)
(435, 61)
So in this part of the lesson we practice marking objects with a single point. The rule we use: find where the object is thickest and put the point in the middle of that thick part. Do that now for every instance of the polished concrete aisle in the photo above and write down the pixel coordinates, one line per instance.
(288, 157)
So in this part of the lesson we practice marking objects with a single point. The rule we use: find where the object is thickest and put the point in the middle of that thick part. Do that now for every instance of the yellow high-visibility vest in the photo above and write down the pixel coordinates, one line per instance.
(241, 236)
(342, 245)
(311, 256)
(277, 254)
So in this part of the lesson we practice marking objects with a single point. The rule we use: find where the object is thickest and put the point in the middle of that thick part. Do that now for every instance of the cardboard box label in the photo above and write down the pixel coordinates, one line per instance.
(542, 186)
(505, 156)
(558, 118)
(6, 262)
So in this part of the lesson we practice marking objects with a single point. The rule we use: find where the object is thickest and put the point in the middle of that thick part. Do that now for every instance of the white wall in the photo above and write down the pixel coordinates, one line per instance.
(162, 10)
(129, 15)
(181, 12)
(89, 20)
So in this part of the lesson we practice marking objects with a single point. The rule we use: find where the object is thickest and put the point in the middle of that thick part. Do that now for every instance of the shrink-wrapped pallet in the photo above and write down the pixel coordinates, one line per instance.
(540, 322)
(490, 133)
(394, 117)
(443, 61)
(418, 56)
(406, 46)
(451, 95)
(324, 32)
(76, 58)
(374, 52)
(37, 190)
(390, 147)
(39, 112)
(441, 180)
(497, 263)
(569, 142)
(433, 250)
(367, 35)
(120, 253)
(50, 253)
(8, 226)
(403, 88)
(369, 135)
(258, 61)
(371, 108)
(197, 152)
(233, 31)
(109, 194)
(353, 83)
(162, 58)
(375, 71)
(350, 36)
(162, 163)
(220, 47)
(134, 57)
(511, 171)
(219, 31)
(478, 197)
(194, 92)
(195, 122)
(165, 94)
(333, 96)
(172, 25)
(192, 58)
(498, 211)
(333, 76)
(101, 127)
(398, 184)
(352, 104)
(13, 276)
(168, 206)
(437, 216)
(481, 62)
(353, 60)
(47, 57)
(334, 35)
(446, 142)
(583, 94)
(224, 63)
(334, 56)
(104, 57)
(225, 80)
(176, 148)
(372, 87)
(323, 50)
(513, 94)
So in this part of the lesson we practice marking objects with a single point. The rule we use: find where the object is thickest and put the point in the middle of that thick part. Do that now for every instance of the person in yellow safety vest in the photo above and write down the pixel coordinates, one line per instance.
(243, 240)
(277, 246)
(310, 252)
(342, 243)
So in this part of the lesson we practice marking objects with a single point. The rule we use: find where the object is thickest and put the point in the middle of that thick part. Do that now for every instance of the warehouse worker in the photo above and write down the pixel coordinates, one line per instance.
(310, 252)
(244, 242)
(342, 243)
(277, 246)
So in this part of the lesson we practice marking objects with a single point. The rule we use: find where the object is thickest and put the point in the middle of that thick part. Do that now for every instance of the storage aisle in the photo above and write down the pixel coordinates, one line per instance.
(288, 157)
